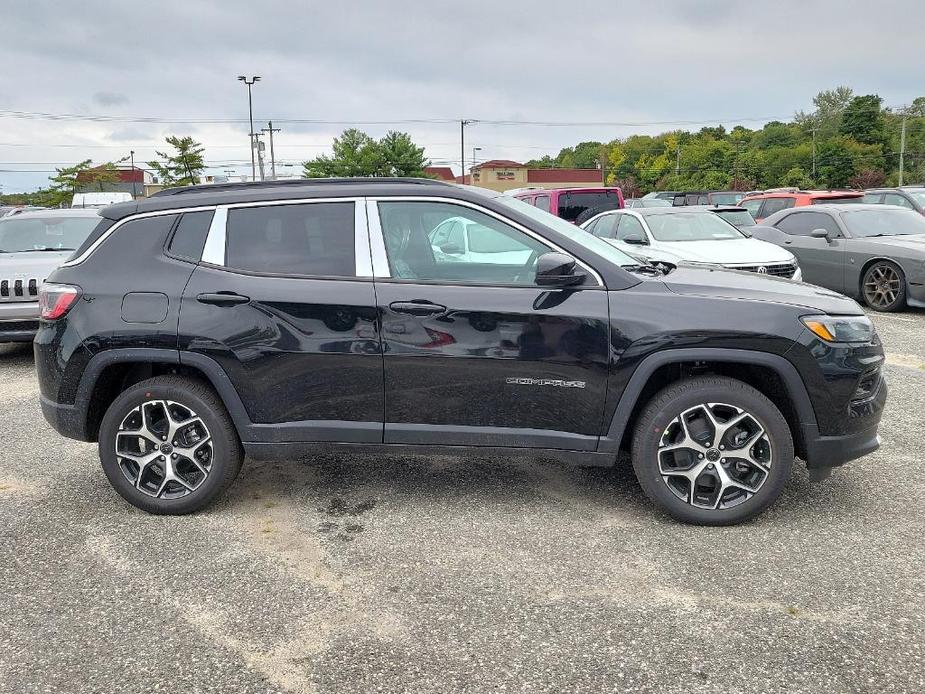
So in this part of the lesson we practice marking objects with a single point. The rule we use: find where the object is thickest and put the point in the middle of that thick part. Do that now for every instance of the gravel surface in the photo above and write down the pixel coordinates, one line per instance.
(395, 574)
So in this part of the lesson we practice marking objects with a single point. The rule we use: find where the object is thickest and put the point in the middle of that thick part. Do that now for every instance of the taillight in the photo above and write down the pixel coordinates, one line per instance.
(56, 299)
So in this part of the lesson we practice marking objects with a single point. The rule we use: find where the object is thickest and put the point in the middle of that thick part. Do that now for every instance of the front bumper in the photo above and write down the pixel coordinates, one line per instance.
(19, 321)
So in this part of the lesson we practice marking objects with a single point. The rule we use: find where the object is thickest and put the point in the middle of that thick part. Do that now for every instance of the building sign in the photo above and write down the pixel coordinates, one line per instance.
(505, 175)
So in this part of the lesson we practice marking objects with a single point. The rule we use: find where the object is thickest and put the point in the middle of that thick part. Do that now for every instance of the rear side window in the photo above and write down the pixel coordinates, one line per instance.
(845, 200)
(542, 202)
(872, 198)
(311, 239)
(772, 205)
(190, 235)
(752, 206)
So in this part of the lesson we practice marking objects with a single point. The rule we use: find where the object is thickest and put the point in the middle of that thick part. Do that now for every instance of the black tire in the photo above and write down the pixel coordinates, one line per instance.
(226, 453)
(896, 280)
(668, 405)
(590, 212)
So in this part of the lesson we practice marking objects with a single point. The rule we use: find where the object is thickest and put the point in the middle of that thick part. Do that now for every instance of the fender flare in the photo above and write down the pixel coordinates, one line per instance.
(796, 389)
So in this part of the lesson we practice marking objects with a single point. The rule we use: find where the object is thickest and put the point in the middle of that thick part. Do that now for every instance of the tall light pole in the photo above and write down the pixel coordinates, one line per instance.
(250, 110)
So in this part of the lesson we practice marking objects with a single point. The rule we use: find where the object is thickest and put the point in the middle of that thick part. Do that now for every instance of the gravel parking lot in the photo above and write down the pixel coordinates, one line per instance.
(344, 574)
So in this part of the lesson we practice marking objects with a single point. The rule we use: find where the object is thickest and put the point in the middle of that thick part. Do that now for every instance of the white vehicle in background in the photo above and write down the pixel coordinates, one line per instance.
(104, 199)
(458, 239)
(691, 235)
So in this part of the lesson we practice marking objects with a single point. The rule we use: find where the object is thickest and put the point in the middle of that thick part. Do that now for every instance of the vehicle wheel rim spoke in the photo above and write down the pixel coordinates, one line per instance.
(164, 449)
(714, 456)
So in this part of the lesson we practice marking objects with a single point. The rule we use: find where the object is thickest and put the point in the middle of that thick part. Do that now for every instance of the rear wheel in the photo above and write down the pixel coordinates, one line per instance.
(884, 286)
(168, 446)
(712, 450)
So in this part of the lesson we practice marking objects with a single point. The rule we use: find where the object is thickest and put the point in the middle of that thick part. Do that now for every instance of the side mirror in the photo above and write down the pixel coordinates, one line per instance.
(819, 234)
(635, 239)
(451, 249)
(557, 270)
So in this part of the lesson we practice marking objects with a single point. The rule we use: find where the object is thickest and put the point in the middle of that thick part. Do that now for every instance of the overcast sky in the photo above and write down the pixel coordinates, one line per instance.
(647, 63)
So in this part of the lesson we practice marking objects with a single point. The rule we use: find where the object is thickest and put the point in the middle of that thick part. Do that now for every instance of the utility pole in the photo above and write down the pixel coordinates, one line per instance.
(735, 174)
(250, 110)
(462, 145)
(135, 190)
(474, 150)
(259, 146)
(814, 155)
(902, 149)
(677, 168)
(270, 129)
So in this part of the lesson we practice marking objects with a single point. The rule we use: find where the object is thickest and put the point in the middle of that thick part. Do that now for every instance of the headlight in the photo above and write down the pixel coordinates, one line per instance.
(840, 328)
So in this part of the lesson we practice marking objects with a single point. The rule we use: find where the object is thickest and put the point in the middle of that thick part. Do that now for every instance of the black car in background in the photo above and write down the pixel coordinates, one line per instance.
(284, 319)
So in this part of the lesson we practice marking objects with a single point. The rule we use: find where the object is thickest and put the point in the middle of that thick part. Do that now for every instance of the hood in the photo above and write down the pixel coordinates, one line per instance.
(908, 241)
(31, 265)
(745, 251)
(749, 286)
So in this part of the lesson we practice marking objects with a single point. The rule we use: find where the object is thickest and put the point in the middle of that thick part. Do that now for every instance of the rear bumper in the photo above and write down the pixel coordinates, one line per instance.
(63, 418)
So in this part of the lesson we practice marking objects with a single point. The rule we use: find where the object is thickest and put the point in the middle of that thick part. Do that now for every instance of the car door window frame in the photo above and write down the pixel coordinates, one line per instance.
(214, 252)
(380, 260)
(806, 214)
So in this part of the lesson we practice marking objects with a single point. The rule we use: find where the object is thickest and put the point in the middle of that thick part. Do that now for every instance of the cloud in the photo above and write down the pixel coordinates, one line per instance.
(110, 98)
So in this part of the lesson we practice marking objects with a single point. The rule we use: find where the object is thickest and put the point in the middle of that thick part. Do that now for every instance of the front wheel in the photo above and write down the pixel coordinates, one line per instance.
(168, 445)
(712, 450)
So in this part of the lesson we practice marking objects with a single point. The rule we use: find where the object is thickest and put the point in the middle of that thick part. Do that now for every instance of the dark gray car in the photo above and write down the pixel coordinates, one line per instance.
(874, 253)
(910, 197)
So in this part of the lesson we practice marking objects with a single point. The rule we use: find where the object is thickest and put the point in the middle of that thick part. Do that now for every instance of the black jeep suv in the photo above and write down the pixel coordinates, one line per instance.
(279, 319)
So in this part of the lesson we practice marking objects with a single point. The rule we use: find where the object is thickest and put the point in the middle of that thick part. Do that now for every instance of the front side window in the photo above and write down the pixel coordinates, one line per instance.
(803, 224)
(884, 222)
(606, 227)
(752, 206)
(315, 239)
(691, 226)
(631, 228)
(496, 253)
(23, 234)
(872, 198)
(895, 199)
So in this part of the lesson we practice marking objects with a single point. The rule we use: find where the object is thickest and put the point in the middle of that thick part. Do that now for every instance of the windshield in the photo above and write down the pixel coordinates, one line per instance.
(691, 226)
(883, 222)
(579, 236)
(20, 234)
(573, 204)
(726, 198)
(741, 218)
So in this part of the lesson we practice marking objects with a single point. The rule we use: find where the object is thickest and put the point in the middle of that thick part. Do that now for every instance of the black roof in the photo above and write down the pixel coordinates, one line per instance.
(292, 189)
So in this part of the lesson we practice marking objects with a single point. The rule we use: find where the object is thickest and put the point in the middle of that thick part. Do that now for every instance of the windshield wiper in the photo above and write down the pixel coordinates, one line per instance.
(646, 268)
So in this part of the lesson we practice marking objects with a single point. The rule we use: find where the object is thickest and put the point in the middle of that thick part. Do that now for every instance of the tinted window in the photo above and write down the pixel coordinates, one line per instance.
(19, 234)
(190, 235)
(630, 227)
(573, 204)
(311, 239)
(896, 199)
(497, 253)
(725, 198)
(542, 202)
(772, 205)
(803, 223)
(751, 205)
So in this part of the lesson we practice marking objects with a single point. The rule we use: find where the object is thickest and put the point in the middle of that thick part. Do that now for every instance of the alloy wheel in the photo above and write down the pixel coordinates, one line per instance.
(164, 449)
(714, 456)
(882, 286)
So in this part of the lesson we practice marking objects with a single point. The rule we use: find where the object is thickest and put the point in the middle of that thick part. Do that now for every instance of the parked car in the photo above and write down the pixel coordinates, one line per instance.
(910, 197)
(735, 215)
(766, 204)
(278, 320)
(32, 244)
(874, 253)
(6, 209)
(645, 202)
(573, 204)
(661, 195)
(459, 239)
(97, 200)
(692, 235)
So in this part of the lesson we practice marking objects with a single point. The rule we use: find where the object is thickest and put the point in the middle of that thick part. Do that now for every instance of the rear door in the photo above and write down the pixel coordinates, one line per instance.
(821, 260)
(474, 352)
(284, 302)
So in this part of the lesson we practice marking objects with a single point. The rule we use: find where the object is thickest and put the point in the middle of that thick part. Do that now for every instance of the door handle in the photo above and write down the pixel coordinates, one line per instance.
(222, 299)
(417, 307)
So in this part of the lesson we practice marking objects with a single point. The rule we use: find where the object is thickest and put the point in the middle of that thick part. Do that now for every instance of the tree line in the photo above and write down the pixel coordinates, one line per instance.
(856, 140)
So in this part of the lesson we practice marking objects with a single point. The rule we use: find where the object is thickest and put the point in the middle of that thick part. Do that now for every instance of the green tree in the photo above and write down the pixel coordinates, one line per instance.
(357, 154)
(797, 178)
(400, 156)
(64, 183)
(863, 120)
(181, 167)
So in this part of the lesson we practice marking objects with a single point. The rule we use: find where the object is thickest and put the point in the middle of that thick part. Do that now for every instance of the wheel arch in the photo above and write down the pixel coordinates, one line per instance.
(867, 265)
(109, 373)
(771, 374)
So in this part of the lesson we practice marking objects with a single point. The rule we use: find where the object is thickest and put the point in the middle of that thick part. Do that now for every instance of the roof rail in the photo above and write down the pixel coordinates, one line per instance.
(292, 182)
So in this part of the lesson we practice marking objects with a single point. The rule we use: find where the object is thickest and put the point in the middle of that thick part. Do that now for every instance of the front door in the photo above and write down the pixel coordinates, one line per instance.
(474, 352)
(822, 261)
(282, 304)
